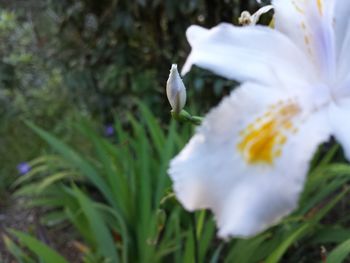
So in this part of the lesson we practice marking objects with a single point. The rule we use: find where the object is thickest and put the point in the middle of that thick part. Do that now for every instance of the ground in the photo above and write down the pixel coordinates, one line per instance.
(14, 214)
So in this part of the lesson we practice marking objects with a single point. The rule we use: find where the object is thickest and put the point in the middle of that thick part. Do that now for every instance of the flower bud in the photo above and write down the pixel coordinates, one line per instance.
(175, 90)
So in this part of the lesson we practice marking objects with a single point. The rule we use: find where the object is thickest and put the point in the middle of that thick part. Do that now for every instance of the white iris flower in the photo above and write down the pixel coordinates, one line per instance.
(248, 160)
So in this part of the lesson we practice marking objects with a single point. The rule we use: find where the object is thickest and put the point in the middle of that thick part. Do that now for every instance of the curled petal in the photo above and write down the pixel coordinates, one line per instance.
(258, 54)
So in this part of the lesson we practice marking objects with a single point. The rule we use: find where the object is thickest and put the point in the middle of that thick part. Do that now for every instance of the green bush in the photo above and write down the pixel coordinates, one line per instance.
(61, 57)
(112, 51)
(29, 89)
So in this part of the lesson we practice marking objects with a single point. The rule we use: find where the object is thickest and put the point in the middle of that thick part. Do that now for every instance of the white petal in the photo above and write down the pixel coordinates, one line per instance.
(256, 16)
(341, 21)
(342, 34)
(248, 193)
(253, 53)
(309, 24)
(339, 118)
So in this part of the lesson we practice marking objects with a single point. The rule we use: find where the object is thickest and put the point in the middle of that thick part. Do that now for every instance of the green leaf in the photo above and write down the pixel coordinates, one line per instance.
(76, 160)
(278, 253)
(216, 256)
(101, 232)
(303, 229)
(44, 252)
(333, 234)
(340, 253)
(49, 180)
(241, 250)
(154, 128)
(16, 251)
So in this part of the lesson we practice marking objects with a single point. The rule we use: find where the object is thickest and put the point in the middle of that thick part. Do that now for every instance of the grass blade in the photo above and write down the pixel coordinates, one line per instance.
(44, 252)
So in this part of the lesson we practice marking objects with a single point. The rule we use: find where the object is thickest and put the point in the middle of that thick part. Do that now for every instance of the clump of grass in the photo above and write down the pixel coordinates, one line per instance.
(118, 198)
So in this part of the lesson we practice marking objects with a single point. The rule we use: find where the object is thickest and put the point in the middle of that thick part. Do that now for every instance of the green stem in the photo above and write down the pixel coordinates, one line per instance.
(184, 116)
(195, 238)
(200, 223)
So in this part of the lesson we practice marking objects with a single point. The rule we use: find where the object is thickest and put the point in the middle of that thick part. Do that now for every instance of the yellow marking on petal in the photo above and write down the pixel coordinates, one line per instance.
(250, 127)
(263, 140)
(289, 110)
(297, 8)
(278, 153)
(320, 7)
(282, 140)
(303, 26)
(288, 125)
(267, 114)
(307, 40)
(294, 130)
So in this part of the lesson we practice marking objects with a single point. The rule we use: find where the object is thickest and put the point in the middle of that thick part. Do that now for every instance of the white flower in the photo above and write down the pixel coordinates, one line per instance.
(248, 161)
(246, 19)
(175, 90)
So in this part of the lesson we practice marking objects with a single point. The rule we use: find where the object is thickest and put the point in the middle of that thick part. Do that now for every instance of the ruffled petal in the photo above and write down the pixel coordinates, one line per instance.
(339, 118)
(309, 24)
(255, 53)
(248, 160)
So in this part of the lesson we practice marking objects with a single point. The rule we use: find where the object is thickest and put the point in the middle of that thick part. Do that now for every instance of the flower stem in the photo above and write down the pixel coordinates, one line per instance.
(195, 238)
(186, 117)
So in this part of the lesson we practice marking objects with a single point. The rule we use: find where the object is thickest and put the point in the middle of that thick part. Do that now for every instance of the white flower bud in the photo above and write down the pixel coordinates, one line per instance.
(175, 90)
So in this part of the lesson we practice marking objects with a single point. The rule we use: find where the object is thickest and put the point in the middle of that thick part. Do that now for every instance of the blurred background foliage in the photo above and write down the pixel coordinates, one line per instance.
(60, 58)
(77, 82)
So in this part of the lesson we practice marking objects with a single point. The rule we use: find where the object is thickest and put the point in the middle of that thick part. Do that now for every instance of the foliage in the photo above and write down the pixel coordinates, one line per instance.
(30, 88)
(131, 189)
(119, 200)
(95, 58)
(45, 252)
(60, 57)
(113, 51)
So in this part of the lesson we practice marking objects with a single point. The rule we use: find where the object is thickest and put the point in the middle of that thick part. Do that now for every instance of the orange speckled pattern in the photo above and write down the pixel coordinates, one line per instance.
(262, 141)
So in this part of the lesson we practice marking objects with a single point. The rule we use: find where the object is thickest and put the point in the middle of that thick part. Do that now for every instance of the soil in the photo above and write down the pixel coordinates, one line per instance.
(16, 215)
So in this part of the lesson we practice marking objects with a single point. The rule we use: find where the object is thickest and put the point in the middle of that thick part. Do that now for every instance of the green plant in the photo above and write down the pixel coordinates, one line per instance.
(60, 57)
(46, 254)
(30, 88)
(129, 181)
(133, 216)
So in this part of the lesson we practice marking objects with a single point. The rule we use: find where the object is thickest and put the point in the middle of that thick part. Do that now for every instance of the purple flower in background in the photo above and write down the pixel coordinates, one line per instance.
(23, 168)
(109, 130)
